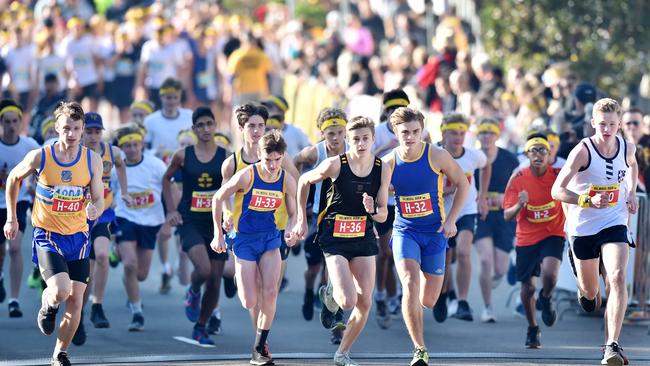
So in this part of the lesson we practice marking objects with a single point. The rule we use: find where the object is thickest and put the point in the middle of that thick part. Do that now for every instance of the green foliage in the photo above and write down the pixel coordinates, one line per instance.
(607, 41)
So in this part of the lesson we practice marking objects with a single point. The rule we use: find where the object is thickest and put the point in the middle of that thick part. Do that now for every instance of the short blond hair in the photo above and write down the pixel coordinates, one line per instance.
(607, 105)
(404, 115)
(360, 122)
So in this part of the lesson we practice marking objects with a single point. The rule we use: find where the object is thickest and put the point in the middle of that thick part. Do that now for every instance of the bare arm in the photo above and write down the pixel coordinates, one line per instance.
(237, 183)
(287, 165)
(382, 196)
(456, 175)
(290, 201)
(632, 178)
(578, 158)
(120, 169)
(96, 187)
(177, 161)
(30, 164)
(329, 168)
(306, 156)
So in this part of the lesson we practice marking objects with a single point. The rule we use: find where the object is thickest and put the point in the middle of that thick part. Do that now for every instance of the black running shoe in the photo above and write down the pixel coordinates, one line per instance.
(137, 323)
(326, 316)
(464, 312)
(46, 318)
(283, 284)
(79, 337)
(440, 309)
(3, 292)
(549, 315)
(532, 337)
(14, 309)
(308, 305)
(613, 355)
(214, 324)
(165, 283)
(337, 336)
(587, 305)
(229, 287)
(97, 317)
(61, 360)
(262, 358)
(339, 322)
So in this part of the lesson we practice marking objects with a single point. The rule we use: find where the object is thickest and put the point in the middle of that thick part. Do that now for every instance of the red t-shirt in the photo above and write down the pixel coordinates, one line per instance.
(542, 216)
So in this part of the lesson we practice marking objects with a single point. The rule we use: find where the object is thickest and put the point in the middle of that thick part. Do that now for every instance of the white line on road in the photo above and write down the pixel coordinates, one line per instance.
(193, 342)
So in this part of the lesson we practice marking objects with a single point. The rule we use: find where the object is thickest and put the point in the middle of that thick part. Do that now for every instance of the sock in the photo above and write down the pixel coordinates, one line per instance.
(167, 268)
(260, 339)
(380, 295)
(216, 313)
(58, 352)
(135, 307)
(12, 299)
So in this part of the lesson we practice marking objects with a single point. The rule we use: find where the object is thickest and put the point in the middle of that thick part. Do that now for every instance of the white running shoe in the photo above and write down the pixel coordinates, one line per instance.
(488, 315)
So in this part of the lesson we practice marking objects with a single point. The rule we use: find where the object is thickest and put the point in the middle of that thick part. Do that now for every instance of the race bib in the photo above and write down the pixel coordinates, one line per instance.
(202, 201)
(415, 206)
(67, 200)
(349, 226)
(264, 200)
(494, 200)
(107, 188)
(542, 213)
(612, 192)
(142, 199)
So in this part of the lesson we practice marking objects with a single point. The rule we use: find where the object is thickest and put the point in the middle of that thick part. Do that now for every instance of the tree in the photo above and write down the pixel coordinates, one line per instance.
(607, 41)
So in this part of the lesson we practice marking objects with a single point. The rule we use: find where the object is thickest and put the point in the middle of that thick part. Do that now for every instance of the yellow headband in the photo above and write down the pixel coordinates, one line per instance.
(333, 122)
(279, 103)
(74, 21)
(47, 124)
(537, 141)
(489, 127)
(191, 134)
(454, 126)
(142, 105)
(220, 139)
(553, 138)
(11, 108)
(132, 137)
(401, 102)
(167, 90)
(273, 123)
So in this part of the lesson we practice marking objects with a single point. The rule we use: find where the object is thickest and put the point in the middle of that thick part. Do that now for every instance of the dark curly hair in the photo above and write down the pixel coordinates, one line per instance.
(245, 111)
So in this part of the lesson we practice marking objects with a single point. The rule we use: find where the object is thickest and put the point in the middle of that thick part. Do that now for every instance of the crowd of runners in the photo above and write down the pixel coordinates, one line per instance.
(387, 211)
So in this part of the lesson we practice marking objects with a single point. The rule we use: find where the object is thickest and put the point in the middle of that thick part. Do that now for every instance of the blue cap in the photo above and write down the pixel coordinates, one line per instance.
(93, 120)
(585, 93)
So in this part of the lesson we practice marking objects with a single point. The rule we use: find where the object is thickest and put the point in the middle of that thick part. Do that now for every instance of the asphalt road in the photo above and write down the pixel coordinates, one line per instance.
(574, 340)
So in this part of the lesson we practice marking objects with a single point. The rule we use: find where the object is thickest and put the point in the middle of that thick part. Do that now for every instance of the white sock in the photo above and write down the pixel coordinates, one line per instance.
(135, 307)
(12, 299)
(167, 268)
(380, 295)
(216, 313)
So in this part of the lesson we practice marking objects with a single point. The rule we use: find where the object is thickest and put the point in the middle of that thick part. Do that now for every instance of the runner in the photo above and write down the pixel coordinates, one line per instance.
(333, 144)
(13, 148)
(540, 233)
(200, 167)
(493, 232)
(421, 227)
(100, 232)
(259, 191)
(294, 136)
(162, 128)
(599, 205)
(139, 222)
(554, 142)
(358, 194)
(64, 171)
(454, 127)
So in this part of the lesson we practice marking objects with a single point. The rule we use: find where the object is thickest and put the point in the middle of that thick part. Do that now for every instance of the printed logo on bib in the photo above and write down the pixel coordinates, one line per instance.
(142, 199)
(494, 200)
(264, 200)
(611, 190)
(107, 188)
(349, 226)
(67, 200)
(202, 201)
(415, 206)
(542, 213)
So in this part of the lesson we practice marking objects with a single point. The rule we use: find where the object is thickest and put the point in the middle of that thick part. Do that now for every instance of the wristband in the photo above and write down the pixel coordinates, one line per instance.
(584, 200)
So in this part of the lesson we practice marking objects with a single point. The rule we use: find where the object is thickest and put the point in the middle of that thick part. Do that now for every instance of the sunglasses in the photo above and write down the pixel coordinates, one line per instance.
(538, 150)
(632, 123)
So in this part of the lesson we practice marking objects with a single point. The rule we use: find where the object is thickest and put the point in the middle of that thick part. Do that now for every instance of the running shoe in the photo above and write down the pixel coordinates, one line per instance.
(549, 315)
(395, 307)
(452, 308)
(192, 304)
(97, 316)
(34, 279)
(200, 334)
(60, 360)
(382, 315)
(512, 273)
(336, 337)
(137, 323)
(46, 317)
(464, 312)
(343, 359)
(519, 311)
(165, 283)
(326, 315)
(229, 287)
(626, 361)
(80, 336)
(113, 259)
(496, 281)
(339, 322)
(214, 324)
(325, 294)
(488, 315)
(612, 355)
(14, 309)
(420, 357)
(587, 305)
(262, 358)
(308, 305)
(532, 337)
(283, 284)
(440, 309)
(3, 292)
